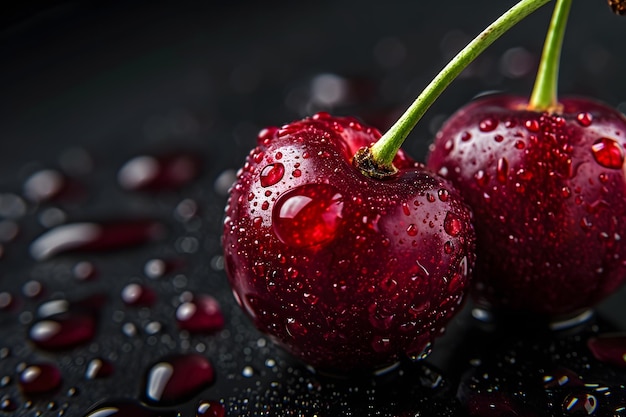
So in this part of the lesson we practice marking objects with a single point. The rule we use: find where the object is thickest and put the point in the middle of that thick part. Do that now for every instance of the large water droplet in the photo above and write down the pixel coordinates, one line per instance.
(94, 237)
(585, 119)
(210, 409)
(608, 153)
(488, 124)
(39, 378)
(272, 173)
(64, 331)
(161, 172)
(580, 404)
(177, 378)
(308, 215)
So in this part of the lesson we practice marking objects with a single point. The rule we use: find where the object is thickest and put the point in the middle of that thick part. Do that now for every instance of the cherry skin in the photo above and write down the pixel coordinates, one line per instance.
(548, 192)
(346, 272)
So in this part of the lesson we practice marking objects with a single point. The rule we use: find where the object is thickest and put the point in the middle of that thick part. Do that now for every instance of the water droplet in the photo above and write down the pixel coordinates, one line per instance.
(202, 313)
(532, 125)
(271, 174)
(585, 119)
(519, 144)
(39, 378)
(580, 404)
(44, 185)
(295, 328)
(502, 170)
(481, 178)
(444, 195)
(609, 348)
(138, 295)
(466, 136)
(498, 138)
(94, 237)
(161, 172)
(381, 343)
(411, 230)
(176, 378)
(210, 409)
(63, 331)
(296, 173)
(308, 215)
(98, 368)
(452, 224)
(608, 153)
(488, 124)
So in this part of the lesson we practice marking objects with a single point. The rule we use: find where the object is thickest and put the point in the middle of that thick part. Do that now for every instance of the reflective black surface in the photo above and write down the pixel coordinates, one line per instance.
(87, 87)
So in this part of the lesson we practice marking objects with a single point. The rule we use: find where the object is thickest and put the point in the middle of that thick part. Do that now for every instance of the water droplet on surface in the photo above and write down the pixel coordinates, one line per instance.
(162, 172)
(481, 178)
(63, 331)
(411, 230)
(39, 378)
(98, 368)
(94, 237)
(532, 125)
(580, 404)
(452, 225)
(466, 136)
(308, 215)
(487, 125)
(138, 295)
(608, 153)
(177, 378)
(12, 206)
(502, 170)
(210, 409)
(44, 185)
(584, 119)
(200, 314)
(272, 173)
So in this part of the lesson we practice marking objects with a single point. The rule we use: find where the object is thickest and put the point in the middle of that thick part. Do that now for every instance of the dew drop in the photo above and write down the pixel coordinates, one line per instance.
(481, 178)
(466, 136)
(532, 125)
(608, 153)
(488, 124)
(585, 119)
(98, 368)
(177, 378)
(580, 404)
(444, 195)
(94, 237)
(502, 170)
(44, 185)
(271, 174)
(200, 314)
(63, 331)
(210, 409)
(308, 215)
(39, 378)
(452, 225)
(411, 230)
(519, 144)
(168, 171)
(138, 295)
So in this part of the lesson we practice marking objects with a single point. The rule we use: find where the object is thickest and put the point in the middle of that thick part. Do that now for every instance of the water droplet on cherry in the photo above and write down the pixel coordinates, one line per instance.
(452, 224)
(272, 173)
(608, 153)
(308, 215)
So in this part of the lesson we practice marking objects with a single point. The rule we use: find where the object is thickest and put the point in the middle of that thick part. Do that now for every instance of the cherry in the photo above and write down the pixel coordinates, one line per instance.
(345, 270)
(546, 181)
(343, 249)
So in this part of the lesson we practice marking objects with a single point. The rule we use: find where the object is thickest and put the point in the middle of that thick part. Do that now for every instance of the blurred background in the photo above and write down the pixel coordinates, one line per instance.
(85, 86)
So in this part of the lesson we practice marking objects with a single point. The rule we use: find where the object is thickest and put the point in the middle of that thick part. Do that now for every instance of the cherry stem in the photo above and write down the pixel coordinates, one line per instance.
(544, 95)
(384, 150)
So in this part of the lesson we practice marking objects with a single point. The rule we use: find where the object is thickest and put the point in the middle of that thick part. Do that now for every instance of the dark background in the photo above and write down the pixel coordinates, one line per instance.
(116, 79)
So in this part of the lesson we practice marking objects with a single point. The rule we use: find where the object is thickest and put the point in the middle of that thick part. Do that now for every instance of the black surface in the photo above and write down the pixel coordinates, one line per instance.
(125, 78)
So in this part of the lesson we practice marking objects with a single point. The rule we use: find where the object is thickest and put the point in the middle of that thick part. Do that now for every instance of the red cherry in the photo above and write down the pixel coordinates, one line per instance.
(345, 271)
(548, 191)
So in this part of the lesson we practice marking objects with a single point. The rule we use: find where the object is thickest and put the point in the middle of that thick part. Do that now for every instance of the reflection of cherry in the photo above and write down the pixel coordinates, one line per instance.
(547, 185)
(347, 271)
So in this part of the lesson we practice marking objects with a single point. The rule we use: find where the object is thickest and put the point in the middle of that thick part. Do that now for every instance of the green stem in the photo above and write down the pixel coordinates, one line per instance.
(544, 95)
(385, 149)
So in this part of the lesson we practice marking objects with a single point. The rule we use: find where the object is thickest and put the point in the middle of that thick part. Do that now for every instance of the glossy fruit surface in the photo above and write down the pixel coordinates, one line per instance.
(548, 193)
(347, 272)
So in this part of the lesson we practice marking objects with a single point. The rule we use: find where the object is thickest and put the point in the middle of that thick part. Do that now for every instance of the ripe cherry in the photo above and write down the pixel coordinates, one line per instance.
(346, 271)
(547, 184)
(342, 248)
